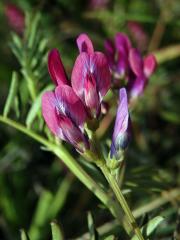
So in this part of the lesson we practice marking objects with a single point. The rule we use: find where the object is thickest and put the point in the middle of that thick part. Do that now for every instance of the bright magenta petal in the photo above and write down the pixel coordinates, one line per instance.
(100, 68)
(150, 65)
(91, 73)
(79, 73)
(136, 61)
(84, 43)
(56, 68)
(70, 105)
(49, 113)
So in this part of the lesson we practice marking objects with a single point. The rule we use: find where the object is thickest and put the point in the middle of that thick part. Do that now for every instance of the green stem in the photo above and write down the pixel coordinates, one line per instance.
(167, 53)
(75, 168)
(114, 185)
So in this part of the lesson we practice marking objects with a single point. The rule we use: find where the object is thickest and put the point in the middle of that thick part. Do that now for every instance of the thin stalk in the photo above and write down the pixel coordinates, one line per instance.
(173, 195)
(75, 168)
(122, 201)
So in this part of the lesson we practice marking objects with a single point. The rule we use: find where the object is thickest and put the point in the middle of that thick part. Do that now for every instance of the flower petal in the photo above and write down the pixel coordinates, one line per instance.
(79, 73)
(122, 124)
(95, 65)
(73, 134)
(56, 68)
(150, 65)
(84, 43)
(136, 88)
(70, 105)
(100, 69)
(138, 34)
(136, 61)
(110, 53)
(122, 116)
(49, 113)
(122, 43)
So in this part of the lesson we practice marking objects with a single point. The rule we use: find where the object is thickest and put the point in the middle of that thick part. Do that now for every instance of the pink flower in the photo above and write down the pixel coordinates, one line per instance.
(138, 34)
(65, 115)
(141, 69)
(117, 54)
(90, 76)
(15, 17)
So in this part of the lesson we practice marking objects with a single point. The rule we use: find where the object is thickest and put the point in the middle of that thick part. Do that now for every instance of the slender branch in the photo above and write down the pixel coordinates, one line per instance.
(167, 53)
(114, 185)
(173, 195)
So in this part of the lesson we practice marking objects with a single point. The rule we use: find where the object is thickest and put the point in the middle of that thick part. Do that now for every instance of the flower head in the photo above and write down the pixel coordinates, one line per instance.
(15, 17)
(117, 54)
(141, 69)
(121, 134)
(90, 76)
(65, 115)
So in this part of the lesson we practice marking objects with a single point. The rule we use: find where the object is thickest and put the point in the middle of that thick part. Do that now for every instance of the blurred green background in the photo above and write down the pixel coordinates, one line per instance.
(31, 177)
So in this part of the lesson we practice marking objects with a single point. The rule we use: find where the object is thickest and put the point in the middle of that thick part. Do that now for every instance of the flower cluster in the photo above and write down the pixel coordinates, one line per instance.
(78, 100)
(126, 63)
(66, 109)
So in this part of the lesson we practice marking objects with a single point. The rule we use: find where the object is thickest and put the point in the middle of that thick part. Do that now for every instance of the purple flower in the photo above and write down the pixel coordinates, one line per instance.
(138, 34)
(56, 68)
(65, 115)
(117, 55)
(141, 70)
(90, 76)
(15, 17)
(121, 134)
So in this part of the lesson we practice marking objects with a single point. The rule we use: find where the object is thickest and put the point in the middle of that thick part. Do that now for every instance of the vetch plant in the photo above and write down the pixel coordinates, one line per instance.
(65, 113)
(65, 116)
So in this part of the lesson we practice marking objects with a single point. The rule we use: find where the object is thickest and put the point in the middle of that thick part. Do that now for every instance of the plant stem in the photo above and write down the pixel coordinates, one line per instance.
(167, 53)
(75, 168)
(114, 185)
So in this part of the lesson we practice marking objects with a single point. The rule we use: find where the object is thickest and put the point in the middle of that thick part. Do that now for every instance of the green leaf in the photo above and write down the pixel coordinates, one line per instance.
(172, 117)
(111, 237)
(24, 236)
(36, 106)
(40, 215)
(17, 41)
(33, 27)
(56, 231)
(11, 95)
(150, 227)
(92, 230)
(60, 196)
